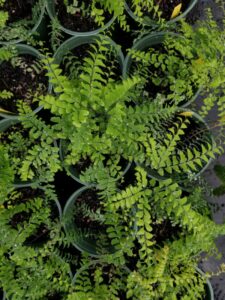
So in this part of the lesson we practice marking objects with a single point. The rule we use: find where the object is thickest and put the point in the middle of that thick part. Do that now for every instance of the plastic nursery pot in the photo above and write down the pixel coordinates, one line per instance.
(39, 27)
(79, 236)
(147, 42)
(74, 173)
(152, 22)
(20, 184)
(34, 186)
(208, 287)
(75, 42)
(182, 179)
(23, 49)
(30, 193)
(51, 8)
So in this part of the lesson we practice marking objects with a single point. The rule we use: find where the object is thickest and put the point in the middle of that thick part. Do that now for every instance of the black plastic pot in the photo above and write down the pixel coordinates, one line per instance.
(52, 14)
(21, 50)
(147, 42)
(39, 28)
(153, 23)
(182, 179)
(79, 240)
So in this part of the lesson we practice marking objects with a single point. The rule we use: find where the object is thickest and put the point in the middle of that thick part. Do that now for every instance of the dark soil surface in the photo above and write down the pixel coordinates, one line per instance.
(91, 200)
(5, 135)
(151, 72)
(82, 165)
(41, 236)
(23, 81)
(166, 7)
(164, 231)
(194, 135)
(19, 9)
(25, 195)
(74, 59)
(79, 22)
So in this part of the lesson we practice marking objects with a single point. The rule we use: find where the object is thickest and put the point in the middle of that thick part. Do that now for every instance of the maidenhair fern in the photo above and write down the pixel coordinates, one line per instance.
(163, 270)
(171, 153)
(94, 113)
(31, 149)
(18, 29)
(6, 174)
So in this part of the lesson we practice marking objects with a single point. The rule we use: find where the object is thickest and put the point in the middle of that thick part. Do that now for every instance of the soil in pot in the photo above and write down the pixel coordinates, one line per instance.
(24, 79)
(83, 164)
(164, 231)
(194, 137)
(87, 211)
(87, 215)
(79, 21)
(39, 237)
(23, 195)
(110, 274)
(165, 6)
(42, 233)
(18, 10)
(70, 255)
(56, 296)
(157, 80)
(73, 60)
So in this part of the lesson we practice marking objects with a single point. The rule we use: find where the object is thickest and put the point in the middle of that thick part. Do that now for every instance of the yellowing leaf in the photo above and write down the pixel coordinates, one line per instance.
(186, 113)
(199, 61)
(176, 11)
(5, 111)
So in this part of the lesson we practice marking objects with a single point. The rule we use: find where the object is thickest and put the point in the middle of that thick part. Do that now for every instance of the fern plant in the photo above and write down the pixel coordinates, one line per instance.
(163, 269)
(30, 270)
(180, 149)
(183, 64)
(142, 9)
(98, 280)
(21, 64)
(98, 10)
(93, 114)
(20, 29)
(30, 146)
